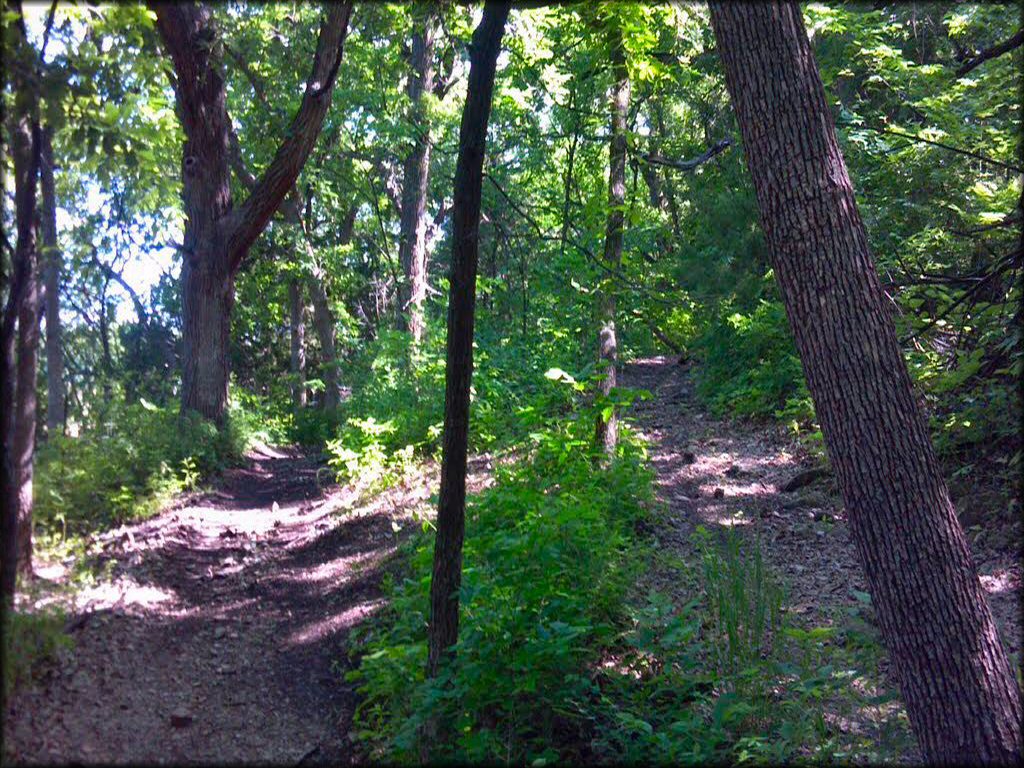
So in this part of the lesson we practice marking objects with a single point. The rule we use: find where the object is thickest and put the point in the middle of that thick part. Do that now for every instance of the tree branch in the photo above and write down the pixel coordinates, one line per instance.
(990, 53)
(689, 165)
(947, 147)
(252, 216)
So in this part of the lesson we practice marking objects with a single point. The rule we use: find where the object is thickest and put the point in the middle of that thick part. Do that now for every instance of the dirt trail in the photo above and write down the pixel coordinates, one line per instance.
(220, 635)
(726, 474)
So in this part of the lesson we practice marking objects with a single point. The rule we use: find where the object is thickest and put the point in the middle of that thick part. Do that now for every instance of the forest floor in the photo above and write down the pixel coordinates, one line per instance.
(218, 633)
(219, 629)
(728, 474)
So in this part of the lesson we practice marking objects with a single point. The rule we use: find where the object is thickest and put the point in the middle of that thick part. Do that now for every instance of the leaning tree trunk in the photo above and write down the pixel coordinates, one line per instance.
(217, 235)
(412, 250)
(959, 689)
(607, 345)
(443, 629)
(55, 414)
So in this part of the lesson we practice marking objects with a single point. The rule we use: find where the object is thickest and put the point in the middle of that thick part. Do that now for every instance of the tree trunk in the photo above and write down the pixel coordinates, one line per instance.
(323, 316)
(25, 148)
(607, 430)
(55, 413)
(670, 185)
(412, 249)
(443, 629)
(25, 407)
(218, 236)
(297, 325)
(207, 296)
(959, 689)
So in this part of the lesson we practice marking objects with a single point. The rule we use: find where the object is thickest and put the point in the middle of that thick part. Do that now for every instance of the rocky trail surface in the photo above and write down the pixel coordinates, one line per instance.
(762, 484)
(220, 633)
(219, 630)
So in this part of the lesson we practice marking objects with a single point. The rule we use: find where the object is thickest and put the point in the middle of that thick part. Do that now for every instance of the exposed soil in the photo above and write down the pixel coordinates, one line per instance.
(220, 635)
(728, 474)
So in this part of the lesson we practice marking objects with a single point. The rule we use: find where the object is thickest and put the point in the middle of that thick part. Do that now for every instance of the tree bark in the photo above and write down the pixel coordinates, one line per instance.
(218, 236)
(443, 629)
(25, 407)
(323, 315)
(412, 249)
(958, 686)
(607, 429)
(25, 148)
(52, 263)
(297, 327)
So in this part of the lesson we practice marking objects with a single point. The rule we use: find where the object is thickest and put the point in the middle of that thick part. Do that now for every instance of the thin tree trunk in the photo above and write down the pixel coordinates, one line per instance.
(323, 315)
(25, 148)
(25, 408)
(958, 686)
(412, 249)
(297, 326)
(443, 628)
(670, 186)
(52, 262)
(607, 351)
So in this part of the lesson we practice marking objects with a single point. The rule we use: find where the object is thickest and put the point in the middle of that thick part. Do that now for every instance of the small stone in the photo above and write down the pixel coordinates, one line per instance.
(718, 493)
(732, 471)
(689, 457)
(181, 718)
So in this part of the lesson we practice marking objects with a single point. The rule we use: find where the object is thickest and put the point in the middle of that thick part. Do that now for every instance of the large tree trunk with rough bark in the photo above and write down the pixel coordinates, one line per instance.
(218, 235)
(959, 689)
(412, 249)
(443, 629)
(51, 256)
(26, 146)
(607, 344)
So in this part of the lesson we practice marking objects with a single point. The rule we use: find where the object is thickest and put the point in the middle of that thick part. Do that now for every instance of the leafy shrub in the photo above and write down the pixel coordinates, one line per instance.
(548, 560)
(396, 410)
(750, 366)
(131, 463)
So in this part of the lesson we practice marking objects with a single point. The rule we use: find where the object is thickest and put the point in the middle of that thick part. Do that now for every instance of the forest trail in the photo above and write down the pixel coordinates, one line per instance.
(220, 633)
(729, 474)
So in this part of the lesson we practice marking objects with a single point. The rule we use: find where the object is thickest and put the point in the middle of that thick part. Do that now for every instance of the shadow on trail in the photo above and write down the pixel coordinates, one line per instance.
(221, 634)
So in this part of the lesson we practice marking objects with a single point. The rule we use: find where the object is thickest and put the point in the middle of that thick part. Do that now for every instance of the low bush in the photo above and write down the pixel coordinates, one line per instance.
(132, 462)
(750, 366)
(31, 641)
(548, 560)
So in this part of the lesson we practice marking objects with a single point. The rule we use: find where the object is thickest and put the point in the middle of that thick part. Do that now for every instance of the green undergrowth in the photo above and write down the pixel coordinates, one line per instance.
(561, 658)
(32, 640)
(394, 415)
(131, 461)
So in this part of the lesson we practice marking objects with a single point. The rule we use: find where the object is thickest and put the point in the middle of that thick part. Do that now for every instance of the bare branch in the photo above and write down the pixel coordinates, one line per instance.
(275, 183)
(990, 53)
(689, 165)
